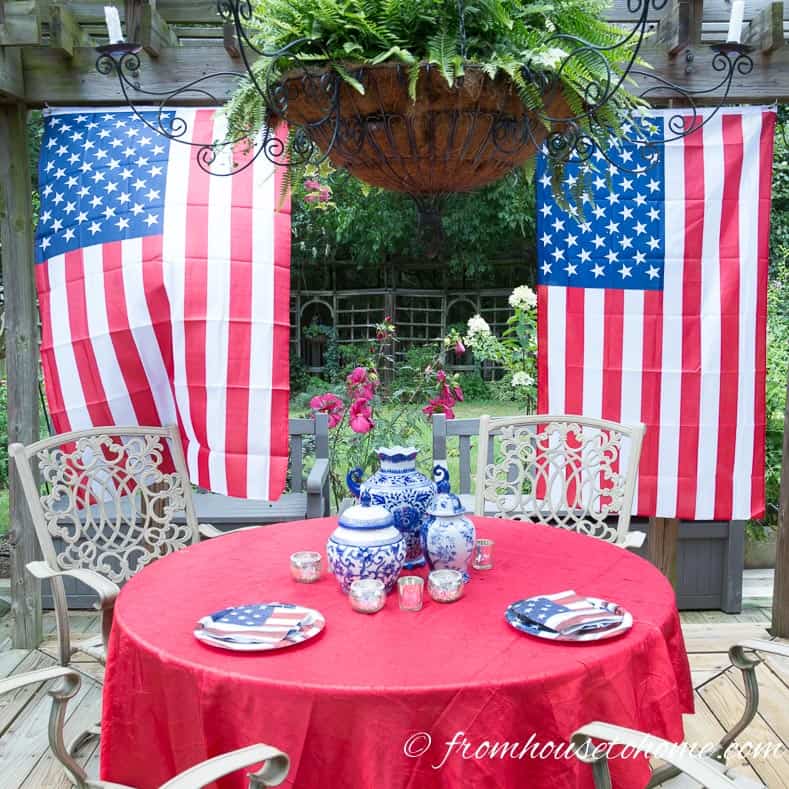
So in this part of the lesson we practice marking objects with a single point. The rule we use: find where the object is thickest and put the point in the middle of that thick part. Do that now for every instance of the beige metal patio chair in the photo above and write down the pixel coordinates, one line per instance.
(566, 471)
(272, 773)
(107, 512)
(684, 769)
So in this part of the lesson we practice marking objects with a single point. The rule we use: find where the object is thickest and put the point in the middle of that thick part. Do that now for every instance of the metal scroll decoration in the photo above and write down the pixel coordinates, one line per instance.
(477, 131)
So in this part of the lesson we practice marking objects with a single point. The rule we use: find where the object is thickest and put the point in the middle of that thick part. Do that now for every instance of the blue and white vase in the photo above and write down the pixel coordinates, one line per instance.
(447, 536)
(403, 490)
(366, 544)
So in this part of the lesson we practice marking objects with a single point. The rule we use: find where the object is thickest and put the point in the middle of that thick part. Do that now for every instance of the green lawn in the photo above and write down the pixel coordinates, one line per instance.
(489, 407)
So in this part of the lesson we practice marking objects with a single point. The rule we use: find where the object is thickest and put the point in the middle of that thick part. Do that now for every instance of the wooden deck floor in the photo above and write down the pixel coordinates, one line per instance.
(25, 762)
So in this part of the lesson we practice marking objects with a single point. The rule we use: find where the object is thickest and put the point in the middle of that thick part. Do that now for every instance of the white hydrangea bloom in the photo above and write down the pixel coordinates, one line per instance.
(523, 297)
(522, 379)
(477, 325)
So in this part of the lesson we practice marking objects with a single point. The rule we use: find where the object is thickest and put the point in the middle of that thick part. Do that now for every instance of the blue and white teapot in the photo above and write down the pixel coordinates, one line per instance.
(366, 544)
(404, 491)
(447, 536)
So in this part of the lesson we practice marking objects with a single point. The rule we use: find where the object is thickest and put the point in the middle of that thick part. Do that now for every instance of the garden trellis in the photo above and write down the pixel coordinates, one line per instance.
(48, 56)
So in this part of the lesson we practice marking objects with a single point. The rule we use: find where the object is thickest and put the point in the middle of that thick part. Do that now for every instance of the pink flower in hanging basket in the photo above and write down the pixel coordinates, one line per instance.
(328, 404)
(460, 349)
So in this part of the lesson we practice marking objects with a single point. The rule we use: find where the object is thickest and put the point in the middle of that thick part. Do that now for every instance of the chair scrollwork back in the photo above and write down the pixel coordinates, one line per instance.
(568, 471)
(109, 504)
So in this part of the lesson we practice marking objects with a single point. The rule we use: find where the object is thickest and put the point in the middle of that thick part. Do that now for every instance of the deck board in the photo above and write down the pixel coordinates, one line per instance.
(25, 762)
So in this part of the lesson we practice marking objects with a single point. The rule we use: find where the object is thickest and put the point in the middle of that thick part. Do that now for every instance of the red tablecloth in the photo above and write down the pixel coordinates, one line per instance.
(345, 704)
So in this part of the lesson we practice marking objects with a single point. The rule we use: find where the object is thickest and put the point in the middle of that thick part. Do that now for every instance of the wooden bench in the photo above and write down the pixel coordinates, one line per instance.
(307, 495)
(467, 433)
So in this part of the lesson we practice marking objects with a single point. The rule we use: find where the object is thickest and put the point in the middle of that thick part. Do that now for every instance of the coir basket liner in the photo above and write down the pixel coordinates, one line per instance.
(450, 139)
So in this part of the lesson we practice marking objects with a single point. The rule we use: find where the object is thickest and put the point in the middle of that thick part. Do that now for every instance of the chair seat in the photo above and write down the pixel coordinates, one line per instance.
(683, 781)
(93, 647)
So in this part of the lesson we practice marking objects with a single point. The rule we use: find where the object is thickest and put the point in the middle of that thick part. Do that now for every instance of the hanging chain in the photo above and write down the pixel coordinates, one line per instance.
(462, 28)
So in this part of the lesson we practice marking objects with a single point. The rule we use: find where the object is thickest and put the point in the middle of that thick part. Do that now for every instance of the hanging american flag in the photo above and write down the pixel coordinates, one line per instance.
(652, 307)
(164, 293)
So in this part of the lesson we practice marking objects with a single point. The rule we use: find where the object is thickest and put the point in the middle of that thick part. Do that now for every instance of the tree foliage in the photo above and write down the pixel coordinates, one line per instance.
(371, 227)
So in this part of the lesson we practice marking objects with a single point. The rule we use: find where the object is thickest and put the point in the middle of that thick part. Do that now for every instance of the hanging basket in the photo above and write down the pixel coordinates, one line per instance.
(451, 139)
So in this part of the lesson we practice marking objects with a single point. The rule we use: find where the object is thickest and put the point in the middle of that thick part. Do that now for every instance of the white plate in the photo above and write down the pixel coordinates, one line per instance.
(259, 627)
(549, 635)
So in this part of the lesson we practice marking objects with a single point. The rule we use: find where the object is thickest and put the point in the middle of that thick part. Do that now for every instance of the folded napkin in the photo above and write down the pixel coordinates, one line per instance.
(266, 623)
(567, 613)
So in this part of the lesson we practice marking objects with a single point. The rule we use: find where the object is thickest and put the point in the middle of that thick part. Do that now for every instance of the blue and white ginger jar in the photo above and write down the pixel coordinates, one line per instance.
(447, 536)
(403, 490)
(366, 545)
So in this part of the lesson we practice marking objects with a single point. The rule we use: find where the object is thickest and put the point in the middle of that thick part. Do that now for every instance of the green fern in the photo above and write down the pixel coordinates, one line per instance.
(515, 37)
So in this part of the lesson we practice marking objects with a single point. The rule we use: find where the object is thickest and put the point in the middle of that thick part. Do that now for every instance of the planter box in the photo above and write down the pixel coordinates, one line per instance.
(710, 557)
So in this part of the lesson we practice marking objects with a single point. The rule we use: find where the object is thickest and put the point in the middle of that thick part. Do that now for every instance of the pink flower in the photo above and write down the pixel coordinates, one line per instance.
(311, 183)
(358, 376)
(458, 392)
(460, 349)
(441, 376)
(324, 195)
(360, 416)
(439, 406)
(328, 404)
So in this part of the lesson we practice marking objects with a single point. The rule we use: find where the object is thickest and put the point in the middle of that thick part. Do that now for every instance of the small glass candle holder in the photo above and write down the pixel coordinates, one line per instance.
(367, 595)
(305, 566)
(483, 555)
(445, 586)
(410, 588)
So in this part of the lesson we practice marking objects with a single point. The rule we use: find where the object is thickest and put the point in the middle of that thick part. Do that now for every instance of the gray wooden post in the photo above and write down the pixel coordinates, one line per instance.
(780, 625)
(16, 237)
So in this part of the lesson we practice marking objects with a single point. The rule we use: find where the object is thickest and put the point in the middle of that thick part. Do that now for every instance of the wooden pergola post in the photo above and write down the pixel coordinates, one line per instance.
(21, 328)
(780, 626)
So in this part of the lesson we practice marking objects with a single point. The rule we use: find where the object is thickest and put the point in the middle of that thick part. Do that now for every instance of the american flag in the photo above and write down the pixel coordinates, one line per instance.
(266, 623)
(567, 613)
(164, 293)
(652, 306)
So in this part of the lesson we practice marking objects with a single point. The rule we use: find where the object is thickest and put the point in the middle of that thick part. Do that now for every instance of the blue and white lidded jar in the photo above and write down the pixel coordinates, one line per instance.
(447, 536)
(403, 490)
(366, 544)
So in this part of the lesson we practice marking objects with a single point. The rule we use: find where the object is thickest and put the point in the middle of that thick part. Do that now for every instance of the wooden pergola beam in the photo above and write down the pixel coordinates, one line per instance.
(12, 84)
(52, 78)
(21, 326)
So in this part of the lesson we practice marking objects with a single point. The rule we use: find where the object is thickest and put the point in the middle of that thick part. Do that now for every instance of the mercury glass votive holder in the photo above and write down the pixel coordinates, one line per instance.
(483, 555)
(367, 595)
(410, 589)
(305, 566)
(445, 586)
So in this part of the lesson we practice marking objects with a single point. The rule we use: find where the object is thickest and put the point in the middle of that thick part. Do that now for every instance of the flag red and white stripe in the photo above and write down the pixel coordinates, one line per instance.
(189, 326)
(688, 360)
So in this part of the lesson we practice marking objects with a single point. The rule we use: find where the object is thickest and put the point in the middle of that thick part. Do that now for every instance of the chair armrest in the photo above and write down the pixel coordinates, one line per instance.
(634, 539)
(104, 588)
(32, 677)
(698, 768)
(758, 645)
(209, 532)
(318, 476)
(273, 773)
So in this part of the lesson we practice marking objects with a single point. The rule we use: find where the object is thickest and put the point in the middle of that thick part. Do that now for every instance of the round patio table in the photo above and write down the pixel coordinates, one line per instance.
(451, 696)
